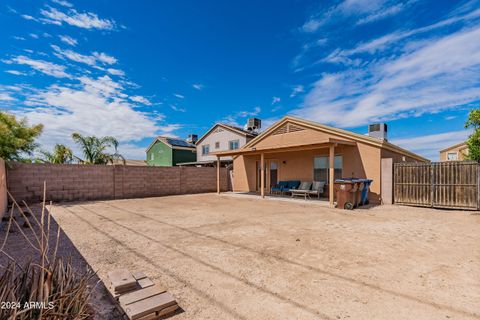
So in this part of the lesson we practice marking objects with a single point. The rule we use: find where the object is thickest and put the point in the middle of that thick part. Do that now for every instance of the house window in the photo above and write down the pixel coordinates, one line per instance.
(217, 145)
(205, 149)
(152, 156)
(452, 156)
(234, 144)
(320, 168)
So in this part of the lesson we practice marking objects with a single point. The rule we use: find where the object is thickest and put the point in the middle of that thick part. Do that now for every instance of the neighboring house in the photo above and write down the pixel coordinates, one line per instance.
(457, 152)
(221, 137)
(297, 149)
(167, 152)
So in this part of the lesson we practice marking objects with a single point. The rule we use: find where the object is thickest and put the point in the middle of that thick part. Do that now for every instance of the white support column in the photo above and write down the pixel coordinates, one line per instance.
(262, 175)
(331, 168)
(218, 174)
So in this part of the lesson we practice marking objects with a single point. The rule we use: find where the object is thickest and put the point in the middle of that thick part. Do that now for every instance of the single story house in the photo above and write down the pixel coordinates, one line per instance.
(220, 137)
(457, 152)
(167, 152)
(298, 149)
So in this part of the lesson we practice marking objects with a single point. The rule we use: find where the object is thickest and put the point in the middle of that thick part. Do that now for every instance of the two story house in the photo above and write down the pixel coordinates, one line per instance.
(223, 137)
(167, 152)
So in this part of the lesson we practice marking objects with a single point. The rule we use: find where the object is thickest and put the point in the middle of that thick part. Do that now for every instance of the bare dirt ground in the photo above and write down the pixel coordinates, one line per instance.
(226, 257)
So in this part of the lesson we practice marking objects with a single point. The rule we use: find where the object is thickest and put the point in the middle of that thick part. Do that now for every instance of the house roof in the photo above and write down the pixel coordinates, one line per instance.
(173, 143)
(328, 129)
(461, 144)
(228, 127)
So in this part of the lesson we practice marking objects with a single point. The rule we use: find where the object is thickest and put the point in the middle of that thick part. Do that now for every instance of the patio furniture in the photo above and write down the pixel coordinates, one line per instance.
(318, 188)
(279, 187)
(139, 297)
(303, 190)
(292, 185)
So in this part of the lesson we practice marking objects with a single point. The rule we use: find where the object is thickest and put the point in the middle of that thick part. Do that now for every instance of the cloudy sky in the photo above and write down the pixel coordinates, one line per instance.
(135, 70)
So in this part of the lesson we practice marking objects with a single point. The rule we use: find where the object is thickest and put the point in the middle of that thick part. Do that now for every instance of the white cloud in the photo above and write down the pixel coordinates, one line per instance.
(75, 56)
(275, 100)
(116, 72)
(18, 38)
(430, 145)
(364, 11)
(6, 97)
(132, 152)
(104, 58)
(141, 100)
(296, 90)
(45, 67)
(68, 40)
(437, 75)
(197, 86)
(178, 109)
(179, 96)
(63, 3)
(27, 17)
(91, 60)
(86, 20)
(94, 107)
(16, 72)
(34, 36)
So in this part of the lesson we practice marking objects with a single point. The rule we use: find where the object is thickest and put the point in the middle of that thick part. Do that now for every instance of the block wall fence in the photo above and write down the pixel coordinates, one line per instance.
(71, 182)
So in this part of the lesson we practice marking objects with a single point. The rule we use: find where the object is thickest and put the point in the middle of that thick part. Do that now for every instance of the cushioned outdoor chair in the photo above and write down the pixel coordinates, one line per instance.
(279, 187)
(292, 185)
(317, 188)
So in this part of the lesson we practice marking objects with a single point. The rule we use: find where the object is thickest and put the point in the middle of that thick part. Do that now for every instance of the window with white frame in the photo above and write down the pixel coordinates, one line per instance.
(452, 156)
(152, 156)
(321, 166)
(233, 144)
(205, 149)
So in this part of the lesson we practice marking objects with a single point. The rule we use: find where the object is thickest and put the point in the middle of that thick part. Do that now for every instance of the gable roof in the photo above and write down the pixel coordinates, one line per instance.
(339, 132)
(230, 128)
(173, 143)
(460, 145)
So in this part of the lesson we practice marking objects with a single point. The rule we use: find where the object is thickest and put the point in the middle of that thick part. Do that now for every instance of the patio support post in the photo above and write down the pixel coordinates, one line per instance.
(218, 174)
(262, 175)
(331, 174)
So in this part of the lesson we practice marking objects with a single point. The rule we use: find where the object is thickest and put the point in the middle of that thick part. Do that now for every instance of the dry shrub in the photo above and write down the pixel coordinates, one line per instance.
(48, 286)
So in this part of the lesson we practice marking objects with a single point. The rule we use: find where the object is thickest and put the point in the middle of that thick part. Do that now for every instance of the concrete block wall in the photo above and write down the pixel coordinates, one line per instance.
(94, 182)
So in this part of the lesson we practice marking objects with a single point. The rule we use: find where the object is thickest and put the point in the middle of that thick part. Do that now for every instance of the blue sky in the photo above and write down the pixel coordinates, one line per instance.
(135, 70)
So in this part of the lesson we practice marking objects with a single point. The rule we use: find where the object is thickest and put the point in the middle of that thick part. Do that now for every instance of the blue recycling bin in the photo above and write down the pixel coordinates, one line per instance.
(366, 188)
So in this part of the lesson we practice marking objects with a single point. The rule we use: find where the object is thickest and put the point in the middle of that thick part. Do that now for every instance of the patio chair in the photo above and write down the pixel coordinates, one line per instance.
(318, 188)
(279, 187)
(303, 190)
(292, 185)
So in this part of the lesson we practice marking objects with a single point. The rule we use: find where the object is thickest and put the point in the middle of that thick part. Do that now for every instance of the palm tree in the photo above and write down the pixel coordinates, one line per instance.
(60, 154)
(95, 149)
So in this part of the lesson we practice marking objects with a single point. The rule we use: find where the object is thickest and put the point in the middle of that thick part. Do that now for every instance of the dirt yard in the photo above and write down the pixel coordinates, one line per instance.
(226, 257)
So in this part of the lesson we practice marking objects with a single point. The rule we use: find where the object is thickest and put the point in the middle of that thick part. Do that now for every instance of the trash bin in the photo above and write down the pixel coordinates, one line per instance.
(366, 189)
(359, 190)
(346, 191)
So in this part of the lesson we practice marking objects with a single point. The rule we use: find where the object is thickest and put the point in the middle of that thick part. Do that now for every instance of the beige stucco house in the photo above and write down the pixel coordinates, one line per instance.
(297, 149)
(456, 152)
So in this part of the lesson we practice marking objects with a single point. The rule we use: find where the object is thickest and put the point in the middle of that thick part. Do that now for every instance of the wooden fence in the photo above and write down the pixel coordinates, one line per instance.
(438, 184)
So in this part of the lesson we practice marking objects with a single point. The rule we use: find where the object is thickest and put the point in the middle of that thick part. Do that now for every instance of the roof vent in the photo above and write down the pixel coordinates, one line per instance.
(378, 131)
(192, 138)
(253, 124)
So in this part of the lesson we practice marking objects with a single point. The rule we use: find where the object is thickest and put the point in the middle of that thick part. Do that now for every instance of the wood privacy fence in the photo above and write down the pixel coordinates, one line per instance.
(438, 184)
